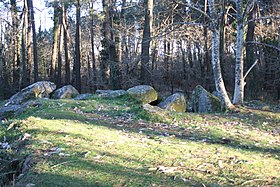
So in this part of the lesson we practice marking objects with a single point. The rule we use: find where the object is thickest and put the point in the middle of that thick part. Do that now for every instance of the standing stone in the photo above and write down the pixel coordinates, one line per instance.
(37, 90)
(175, 102)
(203, 101)
(66, 92)
(143, 93)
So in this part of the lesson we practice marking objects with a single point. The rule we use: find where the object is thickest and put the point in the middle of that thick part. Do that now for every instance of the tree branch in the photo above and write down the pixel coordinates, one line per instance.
(265, 17)
(248, 8)
(264, 44)
(190, 5)
(249, 70)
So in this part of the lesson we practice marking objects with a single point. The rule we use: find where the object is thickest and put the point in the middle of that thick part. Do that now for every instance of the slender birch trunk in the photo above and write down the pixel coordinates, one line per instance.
(238, 97)
(219, 82)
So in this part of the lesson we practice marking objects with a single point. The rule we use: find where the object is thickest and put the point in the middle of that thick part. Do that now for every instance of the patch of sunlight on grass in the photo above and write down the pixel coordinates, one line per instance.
(90, 143)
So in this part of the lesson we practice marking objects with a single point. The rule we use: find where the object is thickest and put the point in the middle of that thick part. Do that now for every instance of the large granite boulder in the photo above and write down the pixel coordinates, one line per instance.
(203, 101)
(175, 102)
(66, 92)
(37, 90)
(110, 93)
(143, 93)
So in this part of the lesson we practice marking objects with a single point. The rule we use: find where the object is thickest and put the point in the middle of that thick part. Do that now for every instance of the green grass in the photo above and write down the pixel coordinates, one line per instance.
(113, 142)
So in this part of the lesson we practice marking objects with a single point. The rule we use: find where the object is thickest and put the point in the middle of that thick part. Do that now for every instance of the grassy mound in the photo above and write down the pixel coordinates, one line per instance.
(113, 142)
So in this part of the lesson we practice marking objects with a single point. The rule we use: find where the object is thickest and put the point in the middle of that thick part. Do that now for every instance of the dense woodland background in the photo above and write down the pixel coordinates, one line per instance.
(168, 44)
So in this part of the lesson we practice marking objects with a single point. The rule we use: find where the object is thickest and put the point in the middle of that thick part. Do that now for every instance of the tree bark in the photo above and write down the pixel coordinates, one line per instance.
(77, 60)
(66, 43)
(239, 62)
(24, 82)
(16, 56)
(250, 54)
(29, 46)
(34, 38)
(55, 41)
(145, 48)
(93, 61)
(60, 49)
(219, 82)
(111, 52)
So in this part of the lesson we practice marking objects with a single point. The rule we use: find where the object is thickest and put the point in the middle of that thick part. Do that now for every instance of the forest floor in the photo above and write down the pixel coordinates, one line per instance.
(114, 142)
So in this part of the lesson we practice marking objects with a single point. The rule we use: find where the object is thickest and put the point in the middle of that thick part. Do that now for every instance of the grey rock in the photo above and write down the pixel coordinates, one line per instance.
(143, 93)
(37, 90)
(110, 93)
(86, 96)
(202, 101)
(66, 92)
(15, 110)
(175, 102)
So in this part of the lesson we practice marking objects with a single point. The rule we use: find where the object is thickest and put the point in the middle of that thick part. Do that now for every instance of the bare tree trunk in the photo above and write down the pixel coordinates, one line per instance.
(29, 48)
(250, 54)
(24, 82)
(55, 41)
(16, 56)
(145, 49)
(93, 61)
(111, 52)
(77, 60)
(35, 52)
(66, 43)
(60, 49)
(219, 82)
(239, 63)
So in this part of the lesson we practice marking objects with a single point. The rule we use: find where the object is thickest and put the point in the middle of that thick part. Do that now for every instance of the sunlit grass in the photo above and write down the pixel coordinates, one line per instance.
(115, 143)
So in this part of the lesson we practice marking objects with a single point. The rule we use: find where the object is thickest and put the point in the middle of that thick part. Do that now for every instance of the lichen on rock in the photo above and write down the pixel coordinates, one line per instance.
(66, 92)
(143, 93)
(202, 101)
(175, 102)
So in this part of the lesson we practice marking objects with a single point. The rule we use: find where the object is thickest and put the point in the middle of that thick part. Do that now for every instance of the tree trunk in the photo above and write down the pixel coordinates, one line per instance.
(239, 63)
(60, 49)
(66, 43)
(16, 56)
(35, 52)
(112, 58)
(93, 61)
(77, 60)
(29, 47)
(55, 41)
(219, 82)
(145, 48)
(250, 54)
(24, 82)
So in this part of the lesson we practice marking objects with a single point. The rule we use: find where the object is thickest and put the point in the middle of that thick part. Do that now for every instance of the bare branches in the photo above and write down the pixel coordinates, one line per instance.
(264, 44)
(248, 8)
(192, 6)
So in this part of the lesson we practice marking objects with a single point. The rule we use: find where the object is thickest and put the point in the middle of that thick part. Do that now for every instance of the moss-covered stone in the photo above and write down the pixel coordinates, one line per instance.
(143, 93)
(37, 90)
(203, 101)
(66, 92)
(175, 102)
